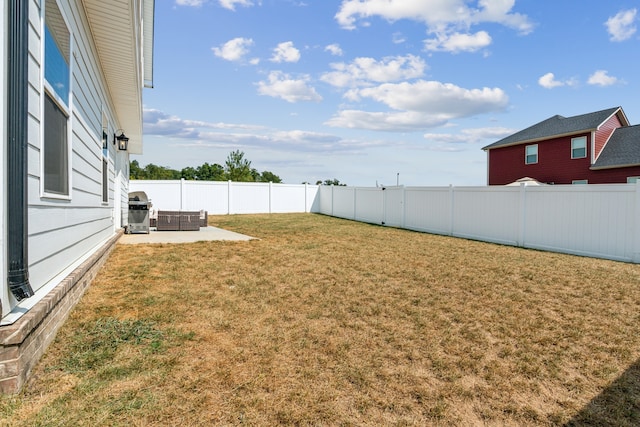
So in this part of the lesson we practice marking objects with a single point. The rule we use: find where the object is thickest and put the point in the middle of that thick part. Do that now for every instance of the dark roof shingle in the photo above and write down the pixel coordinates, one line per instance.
(555, 126)
(623, 149)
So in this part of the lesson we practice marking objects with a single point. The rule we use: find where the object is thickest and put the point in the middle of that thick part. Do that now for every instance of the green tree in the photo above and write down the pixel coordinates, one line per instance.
(188, 173)
(237, 168)
(333, 181)
(135, 171)
(207, 172)
(267, 176)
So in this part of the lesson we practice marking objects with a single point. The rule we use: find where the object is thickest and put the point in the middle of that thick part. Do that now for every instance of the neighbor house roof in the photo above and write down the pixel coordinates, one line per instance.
(623, 149)
(557, 126)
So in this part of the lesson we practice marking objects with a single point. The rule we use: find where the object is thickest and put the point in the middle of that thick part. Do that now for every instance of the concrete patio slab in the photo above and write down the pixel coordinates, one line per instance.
(204, 234)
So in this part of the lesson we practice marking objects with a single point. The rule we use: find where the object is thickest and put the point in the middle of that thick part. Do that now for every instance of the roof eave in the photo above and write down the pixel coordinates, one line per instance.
(545, 138)
(121, 49)
(595, 168)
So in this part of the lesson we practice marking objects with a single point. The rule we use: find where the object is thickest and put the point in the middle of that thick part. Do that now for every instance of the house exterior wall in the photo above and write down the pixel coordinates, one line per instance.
(69, 235)
(555, 165)
(63, 230)
(603, 133)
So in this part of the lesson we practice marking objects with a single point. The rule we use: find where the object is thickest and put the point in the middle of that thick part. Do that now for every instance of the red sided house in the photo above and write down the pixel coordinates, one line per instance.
(593, 148)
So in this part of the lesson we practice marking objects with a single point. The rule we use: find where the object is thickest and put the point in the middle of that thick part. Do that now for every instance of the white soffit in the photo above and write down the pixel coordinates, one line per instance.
(116, 26)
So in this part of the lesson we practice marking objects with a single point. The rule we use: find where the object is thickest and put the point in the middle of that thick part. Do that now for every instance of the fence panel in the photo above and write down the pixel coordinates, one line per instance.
(428, 209)
(344, 202)
(326, 200)
(210, 196)
(487, 213)
(369, 205)
(594, 220)
(166, 195)
(288, 198)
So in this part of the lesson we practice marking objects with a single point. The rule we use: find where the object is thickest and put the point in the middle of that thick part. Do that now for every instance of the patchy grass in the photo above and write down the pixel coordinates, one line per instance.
(330, 322)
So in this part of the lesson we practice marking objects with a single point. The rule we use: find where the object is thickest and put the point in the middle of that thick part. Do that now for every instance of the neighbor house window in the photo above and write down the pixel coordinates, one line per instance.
(632, 179)
(580, 181)
(579, 147)
(56, 102)
(531, 154)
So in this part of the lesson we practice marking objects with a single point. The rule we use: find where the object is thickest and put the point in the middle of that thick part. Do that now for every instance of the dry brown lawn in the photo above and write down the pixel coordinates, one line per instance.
(330, 322)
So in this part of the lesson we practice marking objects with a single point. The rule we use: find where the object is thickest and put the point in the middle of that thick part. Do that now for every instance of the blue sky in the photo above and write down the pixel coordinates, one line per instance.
(364, 90)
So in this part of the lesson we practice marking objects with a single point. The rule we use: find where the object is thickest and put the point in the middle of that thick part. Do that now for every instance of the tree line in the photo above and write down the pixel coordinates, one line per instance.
(236, 168)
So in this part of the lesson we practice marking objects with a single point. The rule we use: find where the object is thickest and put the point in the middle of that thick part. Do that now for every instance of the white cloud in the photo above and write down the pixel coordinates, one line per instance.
(231, 4)
(363, 71)
(281, 85)
(469, 136)
(335, 49)
(227, 135)
(458, 42)
(157, 122)
(437, 15)
(622, 26)
(285, 52)
(419, 105)
(194, 3)
(234, 49)
(398, 38)
(406, 121)
(548, 81)
(602, 78)
(437, 98)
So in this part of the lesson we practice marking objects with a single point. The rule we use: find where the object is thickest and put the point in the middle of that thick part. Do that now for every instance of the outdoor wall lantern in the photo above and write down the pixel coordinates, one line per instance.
(121, 140)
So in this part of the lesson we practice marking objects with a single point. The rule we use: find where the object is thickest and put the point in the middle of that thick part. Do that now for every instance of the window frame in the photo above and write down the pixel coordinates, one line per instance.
(582, 139)
(48, 91)
(527, 154)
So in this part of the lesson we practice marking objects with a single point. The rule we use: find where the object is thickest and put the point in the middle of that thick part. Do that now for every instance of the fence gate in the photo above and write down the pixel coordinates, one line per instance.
(393, 206)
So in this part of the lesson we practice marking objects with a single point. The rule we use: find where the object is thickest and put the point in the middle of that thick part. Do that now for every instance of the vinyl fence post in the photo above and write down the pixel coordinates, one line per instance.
(306, 209)
(522, 221)
(182, 194)
(636, 225)
(229, 198)
(270, 195)
(451, 209)
(403, 207)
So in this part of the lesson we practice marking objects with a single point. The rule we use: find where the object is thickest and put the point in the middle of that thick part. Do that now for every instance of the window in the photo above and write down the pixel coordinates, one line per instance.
(531, 154)
(580, 181)
(105, 180)
(579, 147)
(55, 151)
(633, 179)
(105, 158)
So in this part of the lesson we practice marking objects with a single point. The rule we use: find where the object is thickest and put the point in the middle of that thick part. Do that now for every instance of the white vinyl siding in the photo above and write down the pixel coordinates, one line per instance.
(579, 147)
(531, 154)
(64, 229)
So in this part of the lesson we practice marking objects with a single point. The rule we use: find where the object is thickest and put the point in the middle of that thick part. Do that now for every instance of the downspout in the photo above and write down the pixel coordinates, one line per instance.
(17, 110)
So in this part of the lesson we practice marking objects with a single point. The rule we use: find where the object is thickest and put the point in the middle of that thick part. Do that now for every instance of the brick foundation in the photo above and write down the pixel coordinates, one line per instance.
(24, 342)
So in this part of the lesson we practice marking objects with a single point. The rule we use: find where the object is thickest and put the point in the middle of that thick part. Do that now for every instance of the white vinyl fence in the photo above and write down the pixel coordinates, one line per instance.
(601, 221)
(222, 197)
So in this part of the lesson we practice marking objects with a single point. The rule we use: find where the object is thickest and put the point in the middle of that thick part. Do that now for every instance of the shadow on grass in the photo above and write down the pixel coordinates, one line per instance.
(617, 405)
